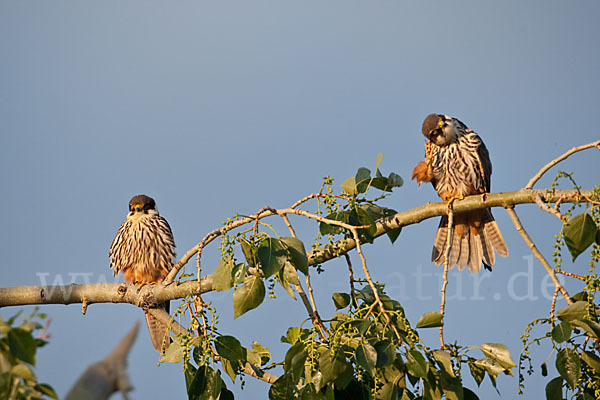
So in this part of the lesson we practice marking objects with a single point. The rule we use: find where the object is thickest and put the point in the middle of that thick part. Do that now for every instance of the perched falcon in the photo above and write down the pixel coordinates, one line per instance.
(144, 250)
(458, 164)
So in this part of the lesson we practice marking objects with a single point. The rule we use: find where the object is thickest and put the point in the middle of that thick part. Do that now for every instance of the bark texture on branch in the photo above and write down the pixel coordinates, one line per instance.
(153, 294)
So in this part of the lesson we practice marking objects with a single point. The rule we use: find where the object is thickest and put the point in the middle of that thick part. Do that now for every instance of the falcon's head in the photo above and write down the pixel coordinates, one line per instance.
(440, 129)
(142, 204)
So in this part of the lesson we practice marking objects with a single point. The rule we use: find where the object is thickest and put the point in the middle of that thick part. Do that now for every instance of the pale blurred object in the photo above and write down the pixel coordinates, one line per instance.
(100, 380)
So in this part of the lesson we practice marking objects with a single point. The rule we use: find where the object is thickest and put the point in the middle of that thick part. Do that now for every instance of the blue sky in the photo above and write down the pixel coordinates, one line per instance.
(217, 108)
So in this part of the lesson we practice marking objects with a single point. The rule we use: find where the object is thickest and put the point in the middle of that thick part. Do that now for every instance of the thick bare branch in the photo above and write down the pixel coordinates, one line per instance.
(149, 295)
(431, 210)
(100, 293)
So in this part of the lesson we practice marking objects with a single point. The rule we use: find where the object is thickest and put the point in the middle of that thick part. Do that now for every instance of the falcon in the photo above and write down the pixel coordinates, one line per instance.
(144, 250)
(457, 163)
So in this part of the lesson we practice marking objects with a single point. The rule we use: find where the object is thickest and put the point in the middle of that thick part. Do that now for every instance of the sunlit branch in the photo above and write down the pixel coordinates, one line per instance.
(552, 163)
(125, 293)
(446, 267)
(515, 219)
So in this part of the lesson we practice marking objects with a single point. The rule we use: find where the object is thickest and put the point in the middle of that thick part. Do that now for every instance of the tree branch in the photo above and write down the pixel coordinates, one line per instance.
(446, 266)
(515, 218)
(552, 163)
(153, 294)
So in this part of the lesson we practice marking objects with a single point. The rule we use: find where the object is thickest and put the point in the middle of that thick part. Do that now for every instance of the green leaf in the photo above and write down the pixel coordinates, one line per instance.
(477, 372)
(334, 367)
(23, 371)
(272, 256)
(282, 388)
(326, 229)
(561, 332)
(469, 395)
(498, 352)
(573, 311)
(361, 217)
(349, 186)
(47, 390)
(230, 348)
(362, 178)
(385, 353)
(204, 383)
(378, 160)
(366, 357)
(22, 345)
(297, 253)
(253, 357)
(174, 353)
(226, 394)
(569, 366)
(431, 319)
(444, 359)
(230, 368)
(580, 232)
(263, 352)
(592, 360)
(340, 300)
(294, 334)
(309, 392)
(592, 328)
(287, 276)
(492, 366)
(387, 184)
(222, 279)
(554, 389)
(249, 252)
(388, 391)
(238, 273)
(393, 234)
(248, 296)
(416, 364)
(294, 360)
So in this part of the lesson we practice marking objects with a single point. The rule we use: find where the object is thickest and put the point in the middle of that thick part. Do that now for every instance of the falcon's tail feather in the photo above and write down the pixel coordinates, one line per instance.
(475, 237)
(157, 330)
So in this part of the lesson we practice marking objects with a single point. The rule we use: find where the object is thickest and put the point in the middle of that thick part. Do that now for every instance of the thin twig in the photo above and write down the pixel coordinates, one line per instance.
(570, 274)
(312, 312)
(317, 317)
(316, 195)
(554, 211)
(289, 225)
(178, 329)
(517, 222)
(371, 284)
(310, 306)
(351, 277)
(446, 267)
(553, 306)
(552, 163)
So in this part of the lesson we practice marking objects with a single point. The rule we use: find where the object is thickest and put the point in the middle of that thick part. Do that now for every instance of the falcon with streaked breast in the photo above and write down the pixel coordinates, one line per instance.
(457, 163)
(144, 250)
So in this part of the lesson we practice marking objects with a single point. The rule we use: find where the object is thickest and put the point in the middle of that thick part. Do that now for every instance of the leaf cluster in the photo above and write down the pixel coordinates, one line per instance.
(575, 337)
(364, 358)
(18, 347)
